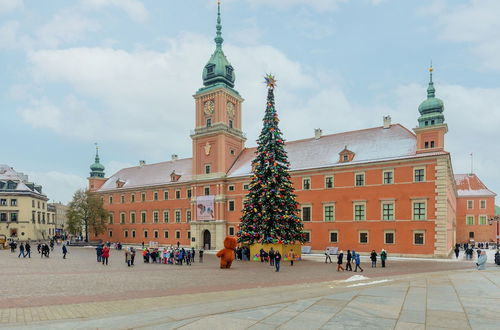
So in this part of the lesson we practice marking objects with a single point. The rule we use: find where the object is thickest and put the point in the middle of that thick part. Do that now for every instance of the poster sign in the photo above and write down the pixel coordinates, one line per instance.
(205, 208)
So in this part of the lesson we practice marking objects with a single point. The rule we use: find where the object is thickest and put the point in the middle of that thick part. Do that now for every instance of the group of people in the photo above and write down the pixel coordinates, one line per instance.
(243, 253)
(43, 249)
(171, 255)
(102, 253)
(274, 257)
(353, 256)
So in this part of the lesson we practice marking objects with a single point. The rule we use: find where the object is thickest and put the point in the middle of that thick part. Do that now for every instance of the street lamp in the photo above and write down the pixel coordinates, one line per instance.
(497, 220)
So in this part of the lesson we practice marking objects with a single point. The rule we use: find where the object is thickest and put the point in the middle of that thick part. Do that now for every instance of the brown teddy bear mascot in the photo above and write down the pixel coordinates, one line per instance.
(226, 255)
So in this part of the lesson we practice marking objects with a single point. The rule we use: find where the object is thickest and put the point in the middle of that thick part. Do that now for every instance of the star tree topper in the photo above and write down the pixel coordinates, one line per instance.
(270, 81)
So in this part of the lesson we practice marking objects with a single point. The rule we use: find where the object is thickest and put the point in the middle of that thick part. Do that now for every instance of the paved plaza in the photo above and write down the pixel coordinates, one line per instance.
(80, 293)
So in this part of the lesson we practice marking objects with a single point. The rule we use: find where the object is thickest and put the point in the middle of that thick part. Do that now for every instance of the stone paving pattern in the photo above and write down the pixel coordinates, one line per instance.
(250, 296)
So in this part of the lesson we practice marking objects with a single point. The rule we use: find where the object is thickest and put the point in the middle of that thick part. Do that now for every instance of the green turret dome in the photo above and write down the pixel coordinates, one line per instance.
(218, 69)
(431, 110)
(97, 169)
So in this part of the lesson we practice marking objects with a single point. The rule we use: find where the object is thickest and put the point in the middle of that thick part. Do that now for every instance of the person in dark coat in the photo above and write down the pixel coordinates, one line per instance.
(271, 257)
(457, 251)
(64, 251)
(340, 258)
(357, 261)
(383, 257)
(277, 260)
(21, 251)
(373, 258)
(348, 265)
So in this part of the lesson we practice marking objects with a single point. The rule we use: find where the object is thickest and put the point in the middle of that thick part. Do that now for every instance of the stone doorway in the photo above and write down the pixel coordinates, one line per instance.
(207, 237)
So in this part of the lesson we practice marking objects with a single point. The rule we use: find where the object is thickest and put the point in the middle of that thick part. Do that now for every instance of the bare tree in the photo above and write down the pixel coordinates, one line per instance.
(86, 214)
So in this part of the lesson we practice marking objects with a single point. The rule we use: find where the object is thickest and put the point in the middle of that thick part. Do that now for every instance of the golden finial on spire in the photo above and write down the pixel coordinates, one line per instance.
(430, 68)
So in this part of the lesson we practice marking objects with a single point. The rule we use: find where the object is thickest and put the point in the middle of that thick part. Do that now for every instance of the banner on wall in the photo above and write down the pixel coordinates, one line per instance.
(205, 208)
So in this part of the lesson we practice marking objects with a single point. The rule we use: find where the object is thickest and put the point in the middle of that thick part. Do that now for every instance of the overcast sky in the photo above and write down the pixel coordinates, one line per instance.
(123, 72)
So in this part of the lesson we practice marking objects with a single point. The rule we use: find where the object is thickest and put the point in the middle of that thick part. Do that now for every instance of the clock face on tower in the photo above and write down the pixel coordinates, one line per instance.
(209, 107)
(230, 109)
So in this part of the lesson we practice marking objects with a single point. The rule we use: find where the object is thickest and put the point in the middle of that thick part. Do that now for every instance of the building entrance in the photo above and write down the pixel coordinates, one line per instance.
(207, 237)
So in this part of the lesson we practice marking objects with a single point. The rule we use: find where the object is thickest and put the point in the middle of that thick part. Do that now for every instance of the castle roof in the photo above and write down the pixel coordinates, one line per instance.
(368, 145)
(12, 182)
(469, 185)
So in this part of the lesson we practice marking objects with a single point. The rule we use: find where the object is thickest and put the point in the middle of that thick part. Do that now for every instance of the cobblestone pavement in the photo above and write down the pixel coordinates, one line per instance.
(79, 293)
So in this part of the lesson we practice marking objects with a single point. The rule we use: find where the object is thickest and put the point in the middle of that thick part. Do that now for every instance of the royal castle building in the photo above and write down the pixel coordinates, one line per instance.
(383, 187)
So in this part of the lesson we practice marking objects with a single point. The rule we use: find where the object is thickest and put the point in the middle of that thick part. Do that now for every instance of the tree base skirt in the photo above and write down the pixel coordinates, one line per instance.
(284, 249)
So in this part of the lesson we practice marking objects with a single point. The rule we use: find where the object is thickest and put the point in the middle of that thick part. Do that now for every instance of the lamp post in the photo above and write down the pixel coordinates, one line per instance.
(497, 220)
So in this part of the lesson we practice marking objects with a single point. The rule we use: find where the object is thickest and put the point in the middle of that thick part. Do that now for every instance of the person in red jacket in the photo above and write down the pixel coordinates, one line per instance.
(105, 254)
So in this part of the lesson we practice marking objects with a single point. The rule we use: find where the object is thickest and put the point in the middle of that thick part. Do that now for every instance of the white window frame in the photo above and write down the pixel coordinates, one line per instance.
(205, 190)
(230, 187)
(144, 196)
(156, 195)
(332, 204)
(471, 203)
(393, 232)
(330, 236)
(189, 216)
(310, 212)
(133, 217)
(178, 193)
(481, 204)
(418, 232)
(415, 174)
(354, 204)
(165, 194)
(229, 206)
(123, 217)
(145, 217)
(333, 181)
(467, 216)
(179, 212)
(307, 180)
(392, 176)
(167, 219)
(229, 231)
(207, 168)
(156, 216)
(356, 180)
(367, 236)
(382, 203)
(485, 217)
(413, 209)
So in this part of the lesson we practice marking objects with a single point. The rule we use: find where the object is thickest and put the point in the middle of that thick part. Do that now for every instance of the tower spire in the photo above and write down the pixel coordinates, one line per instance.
(97, 169)
(431, 91)
(218, 38)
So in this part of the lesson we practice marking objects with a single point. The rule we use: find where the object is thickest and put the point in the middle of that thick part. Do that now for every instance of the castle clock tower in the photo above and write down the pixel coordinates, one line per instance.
(217, 137)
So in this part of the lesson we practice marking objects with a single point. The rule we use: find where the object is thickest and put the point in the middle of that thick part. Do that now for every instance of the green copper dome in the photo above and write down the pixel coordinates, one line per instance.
(218, 69)
(97, 169)
(431, 110)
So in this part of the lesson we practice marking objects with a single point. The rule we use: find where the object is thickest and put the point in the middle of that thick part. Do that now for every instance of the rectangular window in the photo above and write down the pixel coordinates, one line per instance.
(207, 191)
(419, 174)
(132, 198)
(3, 202)
(3, 216)
(363, 237)
(469, 219)
(207, 169)
(178, 194)
(166, 216)
(482, 204)
(122, 218)
(359, 211)
(188, 193)
(388, 177)
(155, 195)
(471, 234)
(418, 238)
(156, 233)
(165, 234)
(482, 220)
(329, 182)
(470, 205)
(143, 217)
(307, 236)
(132, 217)
(13, 216)
(143, 196)
(231, 205)
(389, 237)
(125, 233)
(110, 199)
(110, 218)
(188, 215)
(334, 237)
(231, 231)
(165, 195)
(230, 188)
(360, 179)
(156, 216)
(189, 234)
(387, 211)
(122, 199)
(306, 213)
(329, 212)
(419, 212)
(177, 234)
(246, 186)
(13, 202)
(133, 233)
(110, 233)
(33, 203)
(145, 234)
(306, 183)
(177, 216)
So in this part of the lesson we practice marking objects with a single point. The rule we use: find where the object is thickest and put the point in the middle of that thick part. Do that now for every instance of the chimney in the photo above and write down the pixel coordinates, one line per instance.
(387, 121)
(142, 163)
(317, 133)
(175, 157)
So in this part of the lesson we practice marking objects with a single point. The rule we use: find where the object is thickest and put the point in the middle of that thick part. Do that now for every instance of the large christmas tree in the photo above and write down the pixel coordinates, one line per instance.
(270, 210)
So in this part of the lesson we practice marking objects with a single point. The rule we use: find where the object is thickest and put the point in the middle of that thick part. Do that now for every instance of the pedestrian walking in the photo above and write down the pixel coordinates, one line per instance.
(327, 256)
(105, 255)
(277, 260)
(271, 257)
(200, 255)
(357, 261)
(39, 248)
(348, 265)
(128, 257)
(478, 252)
(291, 257)
(21, 251)
(457, 251)
(51, 245)
(481, 261)
(383, 257)
(27, 247)
(132, 256)
(98, 252)
(64, 251)
(340, 261)
(373, 258)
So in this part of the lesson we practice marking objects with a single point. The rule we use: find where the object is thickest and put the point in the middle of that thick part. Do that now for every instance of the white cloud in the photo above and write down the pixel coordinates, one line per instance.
(476, 23)
(7, 6)
(319, 5)
(134, 8)
(58, 186)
